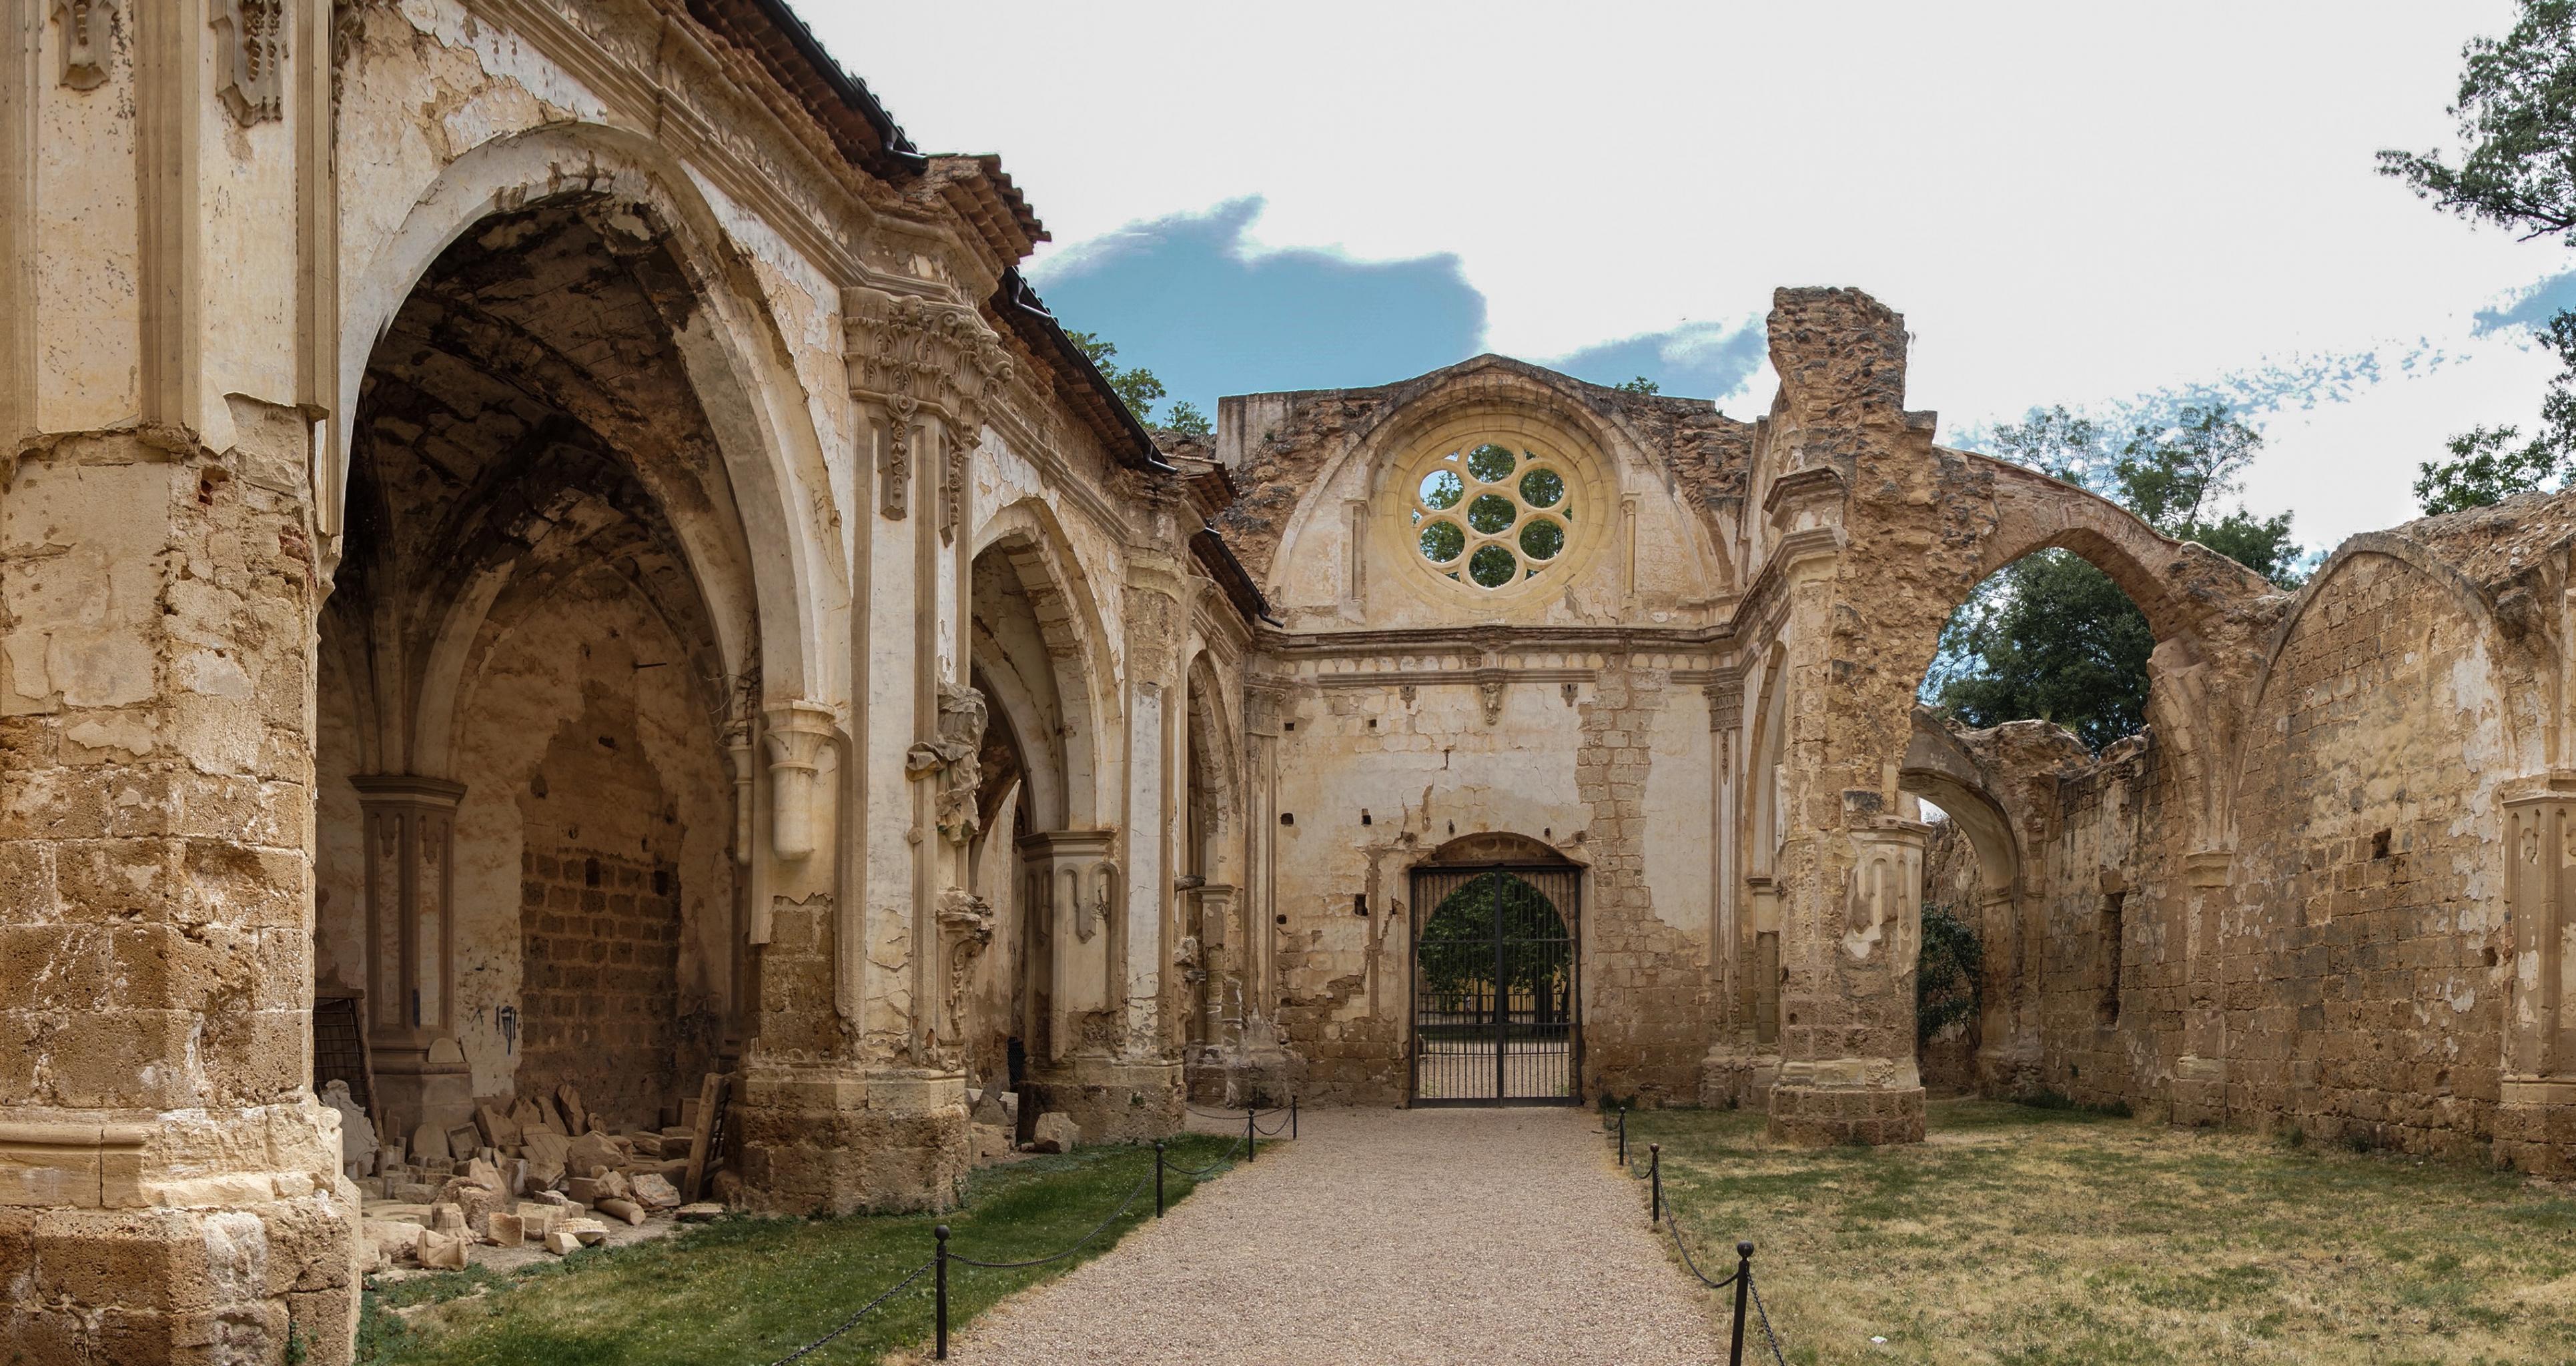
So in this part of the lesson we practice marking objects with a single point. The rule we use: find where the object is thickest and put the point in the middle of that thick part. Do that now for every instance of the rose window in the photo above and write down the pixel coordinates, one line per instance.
(1490, 515)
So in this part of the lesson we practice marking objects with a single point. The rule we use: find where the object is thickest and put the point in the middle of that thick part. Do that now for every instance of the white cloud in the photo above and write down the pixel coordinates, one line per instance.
(2072, 203)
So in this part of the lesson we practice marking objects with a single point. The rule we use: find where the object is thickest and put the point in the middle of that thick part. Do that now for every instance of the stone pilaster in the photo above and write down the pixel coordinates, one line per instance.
(2535, 1127)
(409, 829)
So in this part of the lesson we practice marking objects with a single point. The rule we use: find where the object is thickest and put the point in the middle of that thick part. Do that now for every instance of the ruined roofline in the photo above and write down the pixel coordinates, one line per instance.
(1481, 360)
(973, 186)
(777, 37)
(1243, 419)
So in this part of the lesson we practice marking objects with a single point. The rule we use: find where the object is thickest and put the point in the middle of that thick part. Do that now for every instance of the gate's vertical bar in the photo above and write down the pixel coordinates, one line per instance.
(1158, 1178)
(939, 1279)
(1655, 1177)
(1502, 985)
(1743, 1286)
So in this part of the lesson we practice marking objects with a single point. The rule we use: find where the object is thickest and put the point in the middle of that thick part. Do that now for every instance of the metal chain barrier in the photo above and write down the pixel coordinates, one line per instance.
(941, 1233)
(1742, 1279)
(1221, 1160)
(852, 1320)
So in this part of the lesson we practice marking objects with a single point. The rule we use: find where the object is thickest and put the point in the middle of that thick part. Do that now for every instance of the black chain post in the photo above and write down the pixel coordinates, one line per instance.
(1158, 1178)
(1655, 1174)
(1292, 1116)
(1623, 1135)
(939, 1276)
(1251, 1137)
(1743, 1286)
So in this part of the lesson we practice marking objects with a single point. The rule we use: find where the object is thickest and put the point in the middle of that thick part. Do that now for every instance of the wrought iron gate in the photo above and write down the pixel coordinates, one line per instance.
(1495, 996)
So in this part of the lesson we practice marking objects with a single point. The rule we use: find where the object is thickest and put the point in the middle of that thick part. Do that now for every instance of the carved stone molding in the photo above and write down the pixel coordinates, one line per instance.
(86, 26)
(1883, 893)
(894, 498)
(965, 931)
(252, 59)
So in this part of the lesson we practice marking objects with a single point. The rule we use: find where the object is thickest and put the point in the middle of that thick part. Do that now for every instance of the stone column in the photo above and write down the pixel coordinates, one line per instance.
(409, 827)
(2535, 1126)
(170, 1190)
(852, 1097)
(1848, 1072)
(1221, 1000)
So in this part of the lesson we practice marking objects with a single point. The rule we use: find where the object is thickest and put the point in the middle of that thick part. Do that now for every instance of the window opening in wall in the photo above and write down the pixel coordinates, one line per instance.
(2107, 1008)
(2379, 845)
(1491, 515)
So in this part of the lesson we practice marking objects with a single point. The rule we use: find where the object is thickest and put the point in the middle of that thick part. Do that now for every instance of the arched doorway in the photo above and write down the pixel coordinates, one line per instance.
(1496, 988)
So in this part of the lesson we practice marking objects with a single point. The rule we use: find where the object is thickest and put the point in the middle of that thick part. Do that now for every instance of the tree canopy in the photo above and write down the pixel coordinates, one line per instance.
(2052, 638)
(1137, 387)
(2517, 118)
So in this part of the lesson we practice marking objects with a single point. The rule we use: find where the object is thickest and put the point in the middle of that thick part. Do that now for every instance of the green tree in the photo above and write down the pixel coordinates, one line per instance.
(2517, 116)
(1189, 421)
(1135, 385)
(1946, 986)
(2052, 638)
(1639, 385)
(1458, 948)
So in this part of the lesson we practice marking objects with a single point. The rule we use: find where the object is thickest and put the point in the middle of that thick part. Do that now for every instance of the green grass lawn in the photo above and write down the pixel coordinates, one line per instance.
(745, 1291)
(2025, 1235)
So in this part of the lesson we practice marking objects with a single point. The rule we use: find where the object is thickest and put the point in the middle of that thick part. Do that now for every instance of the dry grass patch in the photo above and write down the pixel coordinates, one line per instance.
(2025, 1235)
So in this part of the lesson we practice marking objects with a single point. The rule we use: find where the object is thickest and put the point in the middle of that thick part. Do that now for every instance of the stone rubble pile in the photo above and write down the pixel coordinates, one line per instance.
(528, 1172)
(544, 1171)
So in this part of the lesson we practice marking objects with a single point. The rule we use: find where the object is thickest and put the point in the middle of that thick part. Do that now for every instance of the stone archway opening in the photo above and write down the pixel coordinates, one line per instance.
(1055, 997)
(526, 874)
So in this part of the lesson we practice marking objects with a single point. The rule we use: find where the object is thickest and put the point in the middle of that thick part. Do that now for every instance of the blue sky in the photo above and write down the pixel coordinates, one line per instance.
(2105, 207)
(1192, 299)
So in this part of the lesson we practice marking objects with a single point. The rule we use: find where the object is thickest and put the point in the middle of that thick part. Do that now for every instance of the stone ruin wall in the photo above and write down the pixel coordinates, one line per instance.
(1604, 752)
(579, 741)
(1613, 774)
(2349, 972)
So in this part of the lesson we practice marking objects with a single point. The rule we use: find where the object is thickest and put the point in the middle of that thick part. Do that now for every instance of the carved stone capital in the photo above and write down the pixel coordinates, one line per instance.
(923, 356)
(1726, 700)
(794, 735)
(937, 354)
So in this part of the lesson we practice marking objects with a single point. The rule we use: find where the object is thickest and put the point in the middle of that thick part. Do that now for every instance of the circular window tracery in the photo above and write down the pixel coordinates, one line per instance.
(1491, 514)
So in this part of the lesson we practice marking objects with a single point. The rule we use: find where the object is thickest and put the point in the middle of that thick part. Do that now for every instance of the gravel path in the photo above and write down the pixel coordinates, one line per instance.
(1484, 1236)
